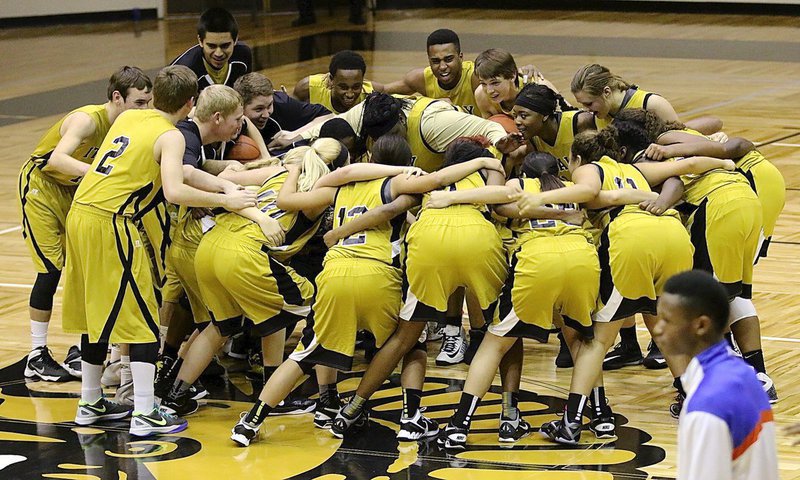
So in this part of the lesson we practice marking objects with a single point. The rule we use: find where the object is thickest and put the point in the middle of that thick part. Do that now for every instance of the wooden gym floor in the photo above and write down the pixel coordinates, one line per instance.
(743, 69)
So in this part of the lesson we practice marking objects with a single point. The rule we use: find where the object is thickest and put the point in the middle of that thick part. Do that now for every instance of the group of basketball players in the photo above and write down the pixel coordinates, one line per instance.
(379, 209)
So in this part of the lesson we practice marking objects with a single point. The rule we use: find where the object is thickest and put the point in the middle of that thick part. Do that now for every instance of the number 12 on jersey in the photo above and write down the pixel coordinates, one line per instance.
(342, 215)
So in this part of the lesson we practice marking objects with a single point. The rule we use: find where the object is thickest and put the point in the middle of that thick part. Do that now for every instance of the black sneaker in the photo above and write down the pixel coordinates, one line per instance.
(769, 386)
(244, 432)
(294, 406)
(564, 358)
(604, 426)
(157, 421)
(99, 411)
(342, 423)
(72, 363)
(562, 432)
(452, 438)
(654, 359)
(42, 365)
(324, 413)
(214, 369)
(417, 427)
(165, 377)
(180, 404)
(675, 408)
(475, 339)
(512, 430)
(197, 391)
(239, 347)
(622, 356)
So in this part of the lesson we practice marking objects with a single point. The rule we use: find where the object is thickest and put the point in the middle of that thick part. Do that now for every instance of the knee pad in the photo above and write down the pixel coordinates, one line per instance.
(44, 288)
(93, 353)
(144, 352)
(741, 308)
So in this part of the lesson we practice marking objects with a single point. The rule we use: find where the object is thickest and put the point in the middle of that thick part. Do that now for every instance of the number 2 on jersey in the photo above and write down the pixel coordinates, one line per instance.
(342, 214)
(123, 143)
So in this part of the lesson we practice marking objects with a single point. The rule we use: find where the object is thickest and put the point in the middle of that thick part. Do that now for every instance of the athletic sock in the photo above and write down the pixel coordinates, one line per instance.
(411, 400)
(574, 410)
(454, 320)
(178, 388)
(90, 382)
(756, 360)
(258, 413)
(598, 400)
(328, 394)
(510, 402)
(452, 330)
(466, 409)
(125, 374)
(628, 336)
(144, 374)
(38, 334)
(354, 406)
(678, 384)
(115, 353)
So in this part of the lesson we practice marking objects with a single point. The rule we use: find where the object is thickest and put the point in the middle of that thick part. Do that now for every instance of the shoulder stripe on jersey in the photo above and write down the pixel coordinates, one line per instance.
(386, 191)
(752, 437)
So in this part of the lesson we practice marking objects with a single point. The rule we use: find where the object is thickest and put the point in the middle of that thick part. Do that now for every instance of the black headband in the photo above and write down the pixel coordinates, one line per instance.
(341, 158)
(538, 105)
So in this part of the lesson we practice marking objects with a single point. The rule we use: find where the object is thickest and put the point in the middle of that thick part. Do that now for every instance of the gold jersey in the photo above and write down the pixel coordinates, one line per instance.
(319, 91)
(698, 187)
(298, 228)
(85, 152)
(567, 126)
(188, 230)
(634, 98)
(125, 178)
(471, 181)
(462, 94)
(529, 228)
(381, 242)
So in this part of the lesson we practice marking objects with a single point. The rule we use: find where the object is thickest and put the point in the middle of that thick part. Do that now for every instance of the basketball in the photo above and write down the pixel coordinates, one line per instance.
(244, 150)
(506, 121)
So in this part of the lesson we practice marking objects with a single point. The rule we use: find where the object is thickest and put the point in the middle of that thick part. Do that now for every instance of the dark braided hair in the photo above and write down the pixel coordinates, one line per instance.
(543, 166)
(464, 149)
(381, 113)
(541, 99)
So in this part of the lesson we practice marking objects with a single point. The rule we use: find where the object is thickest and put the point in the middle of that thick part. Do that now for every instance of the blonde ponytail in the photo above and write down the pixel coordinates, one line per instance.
(314, 160)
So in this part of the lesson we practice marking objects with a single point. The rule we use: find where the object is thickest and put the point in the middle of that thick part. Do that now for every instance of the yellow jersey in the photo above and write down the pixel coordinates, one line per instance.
(529, 228)
(85, 152)
(634, 98)
(319, 91)
(299, 229)
(125, 177)
(616, 176)
(462, 94)
(471, 181)
(381, 242)
(567, 126)
(698, 187)
(188, 230)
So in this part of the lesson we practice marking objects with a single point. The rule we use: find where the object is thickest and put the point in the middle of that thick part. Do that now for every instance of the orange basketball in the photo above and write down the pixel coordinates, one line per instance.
(244, 150)
(506, 121)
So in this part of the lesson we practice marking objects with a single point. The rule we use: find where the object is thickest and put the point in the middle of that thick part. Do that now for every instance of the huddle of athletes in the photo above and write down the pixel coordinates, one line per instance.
(380, 208)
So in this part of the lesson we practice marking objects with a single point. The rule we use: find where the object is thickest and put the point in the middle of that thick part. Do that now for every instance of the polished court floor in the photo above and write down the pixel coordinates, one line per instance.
(744, 69)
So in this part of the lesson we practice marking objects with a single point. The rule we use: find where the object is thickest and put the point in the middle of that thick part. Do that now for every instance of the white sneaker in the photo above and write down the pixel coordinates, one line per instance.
(419, 426)
(435, 332)
(453, 349)
(111, 374)
(769, 386)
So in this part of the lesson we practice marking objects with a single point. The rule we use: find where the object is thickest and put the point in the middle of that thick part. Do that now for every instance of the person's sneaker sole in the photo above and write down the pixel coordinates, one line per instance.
(154, 430)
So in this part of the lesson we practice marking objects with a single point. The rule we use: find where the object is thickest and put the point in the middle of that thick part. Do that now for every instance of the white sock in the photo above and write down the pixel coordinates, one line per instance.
(90, 382)
(125, 370)
(452, 330)
(115, 354)
(144, 376)
(38, 334)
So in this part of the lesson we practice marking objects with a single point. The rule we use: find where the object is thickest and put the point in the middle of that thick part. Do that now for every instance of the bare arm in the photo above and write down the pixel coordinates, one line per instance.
(671, 193)
(74, 130)
(301, 90)
(586, 188)
(661, 107)
(313, 123)
(215, 167)
(257, 138)
(352, 116)
(624, 196)
(251, 177)
(372, 218)
(657, 172)
(169, 149)
(270, 227)
(483, 103)
(443, 177)
(733, 148)
(413, 82)
(361, 172)
(202, 180)
(705, 125)
(312, 203)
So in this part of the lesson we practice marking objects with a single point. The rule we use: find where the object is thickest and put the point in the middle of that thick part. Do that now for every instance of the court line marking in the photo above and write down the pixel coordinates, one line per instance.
(20, 285)
(774, 339)
(792, 145)
(9, 230)
(743, 98)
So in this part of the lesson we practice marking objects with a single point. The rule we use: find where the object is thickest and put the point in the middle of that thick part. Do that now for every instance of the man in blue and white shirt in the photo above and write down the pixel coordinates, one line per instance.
(726, 428)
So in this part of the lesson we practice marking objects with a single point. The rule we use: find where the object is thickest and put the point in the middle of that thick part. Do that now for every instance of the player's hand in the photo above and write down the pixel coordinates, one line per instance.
(239, 199)
(293, 168)
(282, 139)
(414, 172)
(233, 166)
(729, 165)
(657, 152)
(720, 137)
(273, 231)
(654, 206)
(510, 142)
(439, 200)
(530, 73)
(198, 213)
(575, 217)
(330, 238)
(526, 202)
(493, 164)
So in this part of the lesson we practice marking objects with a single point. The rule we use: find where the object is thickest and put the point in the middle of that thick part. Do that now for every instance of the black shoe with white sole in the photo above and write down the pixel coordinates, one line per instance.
(42, 365)
(654, 359)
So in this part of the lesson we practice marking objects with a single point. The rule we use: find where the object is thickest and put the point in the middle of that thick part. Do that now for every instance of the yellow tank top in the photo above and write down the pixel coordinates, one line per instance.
(462, 95)
(616, 176)
(381, 242)
(747, 162)
(319, 91)
(299, 229)
(471, 181)
(188, 230)
(634, 98)
(527, 229)
(85, 152)
(567, 125)
(698, 187)
(125, 177)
